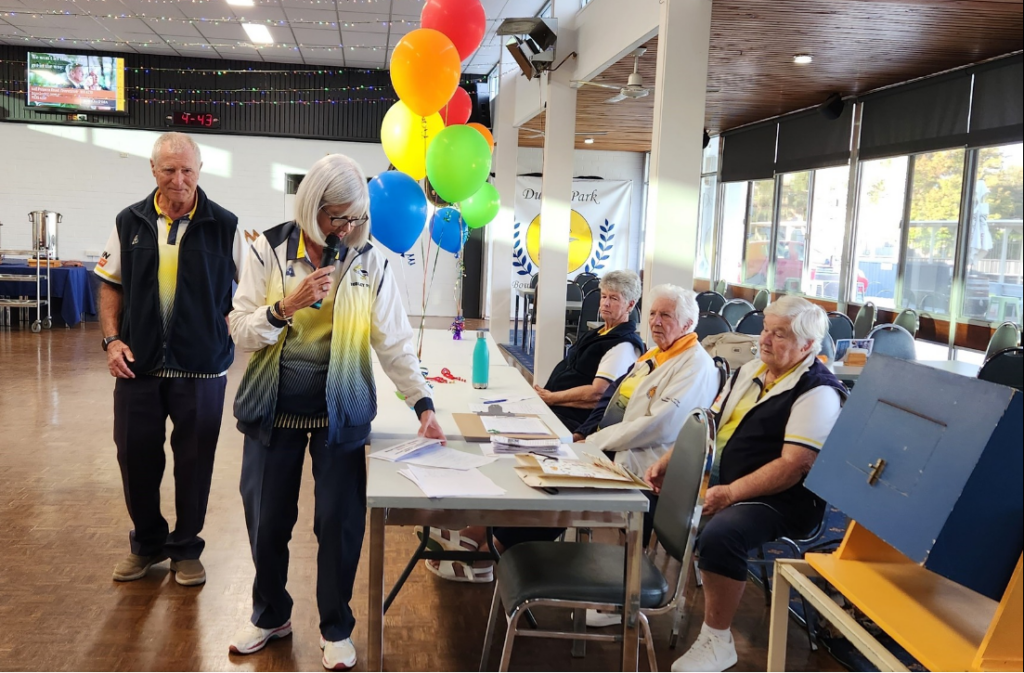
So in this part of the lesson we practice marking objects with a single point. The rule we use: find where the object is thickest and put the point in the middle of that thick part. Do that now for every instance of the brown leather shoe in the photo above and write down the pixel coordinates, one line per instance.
(135, 567)
(188, 572)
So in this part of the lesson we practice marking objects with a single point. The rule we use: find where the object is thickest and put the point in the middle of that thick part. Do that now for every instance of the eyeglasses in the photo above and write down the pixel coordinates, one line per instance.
(345, 221)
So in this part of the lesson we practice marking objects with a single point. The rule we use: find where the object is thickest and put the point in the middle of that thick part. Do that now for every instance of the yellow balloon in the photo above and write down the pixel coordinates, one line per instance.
(406, 137)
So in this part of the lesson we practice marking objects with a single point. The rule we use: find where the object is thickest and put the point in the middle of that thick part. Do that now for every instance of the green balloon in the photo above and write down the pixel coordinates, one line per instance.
(458, 162)
(482, 207)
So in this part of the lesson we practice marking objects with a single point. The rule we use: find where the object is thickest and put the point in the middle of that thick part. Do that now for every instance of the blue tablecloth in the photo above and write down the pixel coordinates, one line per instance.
(69, 284)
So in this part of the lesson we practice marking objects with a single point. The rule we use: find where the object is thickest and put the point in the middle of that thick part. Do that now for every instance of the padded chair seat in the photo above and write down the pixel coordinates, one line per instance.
(574, 571)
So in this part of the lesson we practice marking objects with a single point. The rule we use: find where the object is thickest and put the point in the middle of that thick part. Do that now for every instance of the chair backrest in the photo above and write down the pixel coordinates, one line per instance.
(711, 323)
(762, 299)
(839, 326)
(589, 312)
(828, 349)
(582, 278)
(710, 302)
(590, 285)
(894, 341)
(1005, 368)
(865, 321)
(751, 323)
(722, 365)
(533, 280)
(735, 309)
(721, 286)
(573, 292)
(686, 481)
(908, 320)
(1006, 336)
(634, 315)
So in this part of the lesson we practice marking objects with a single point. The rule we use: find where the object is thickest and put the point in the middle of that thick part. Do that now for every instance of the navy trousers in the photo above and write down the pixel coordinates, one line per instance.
(271, 476)
(141, 408)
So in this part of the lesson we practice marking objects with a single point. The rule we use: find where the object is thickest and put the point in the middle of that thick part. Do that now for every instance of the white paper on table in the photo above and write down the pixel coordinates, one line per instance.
(527, 406)
(406, 450)
(451, 459)
(514, 425)
(441, 483)
(564, 451)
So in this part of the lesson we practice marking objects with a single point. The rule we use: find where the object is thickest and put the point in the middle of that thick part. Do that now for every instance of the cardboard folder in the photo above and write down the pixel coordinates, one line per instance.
(472, 429)
(587, 472)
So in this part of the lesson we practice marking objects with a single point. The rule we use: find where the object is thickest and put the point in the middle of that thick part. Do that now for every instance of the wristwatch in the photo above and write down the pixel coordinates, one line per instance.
(110, 339)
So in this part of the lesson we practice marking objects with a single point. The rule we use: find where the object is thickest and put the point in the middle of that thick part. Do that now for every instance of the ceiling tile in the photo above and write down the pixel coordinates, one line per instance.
(407, 7)
(260, 14)
(369, 22)
(221, 32)
(360, 40)
(172, 28)
(311, 18)
(365, 6)
(305, 36)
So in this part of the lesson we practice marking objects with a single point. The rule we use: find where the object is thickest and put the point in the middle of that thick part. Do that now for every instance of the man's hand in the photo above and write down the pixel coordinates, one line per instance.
(655, 474)
(430, 428)
(544, 394)
(717, 498)
(577, 437)
(118, 357)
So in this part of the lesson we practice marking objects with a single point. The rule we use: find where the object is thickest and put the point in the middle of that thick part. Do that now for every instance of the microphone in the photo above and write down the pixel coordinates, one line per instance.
(330, 256)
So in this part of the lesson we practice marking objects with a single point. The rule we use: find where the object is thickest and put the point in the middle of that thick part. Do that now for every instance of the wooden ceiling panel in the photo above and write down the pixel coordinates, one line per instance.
(857, 45)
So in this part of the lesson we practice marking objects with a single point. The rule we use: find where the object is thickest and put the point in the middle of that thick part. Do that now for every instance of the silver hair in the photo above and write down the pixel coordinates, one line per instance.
(685, 300)
(807, 321)
(334, 180)
(625, 283)
(175, 142)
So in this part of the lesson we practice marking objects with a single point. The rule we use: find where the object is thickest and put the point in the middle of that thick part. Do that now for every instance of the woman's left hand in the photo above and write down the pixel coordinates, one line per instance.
(430, 428)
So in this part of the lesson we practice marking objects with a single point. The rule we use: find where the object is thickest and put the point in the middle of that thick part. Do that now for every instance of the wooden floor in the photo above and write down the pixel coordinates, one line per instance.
(63, 526)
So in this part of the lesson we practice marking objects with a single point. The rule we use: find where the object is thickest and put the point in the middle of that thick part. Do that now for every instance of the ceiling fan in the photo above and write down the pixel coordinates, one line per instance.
(634, 87)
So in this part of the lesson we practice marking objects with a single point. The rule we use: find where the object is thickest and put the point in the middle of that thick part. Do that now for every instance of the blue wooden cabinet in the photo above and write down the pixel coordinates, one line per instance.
(932, 463)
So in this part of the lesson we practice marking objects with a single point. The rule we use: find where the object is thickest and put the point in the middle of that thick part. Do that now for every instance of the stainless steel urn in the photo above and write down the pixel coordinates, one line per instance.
(44, 231)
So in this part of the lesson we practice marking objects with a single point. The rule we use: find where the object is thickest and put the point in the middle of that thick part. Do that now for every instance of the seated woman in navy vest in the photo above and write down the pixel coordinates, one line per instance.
(773, 417)
(599, 357)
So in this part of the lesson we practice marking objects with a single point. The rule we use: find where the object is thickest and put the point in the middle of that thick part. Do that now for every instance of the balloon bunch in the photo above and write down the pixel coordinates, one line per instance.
(426, 134)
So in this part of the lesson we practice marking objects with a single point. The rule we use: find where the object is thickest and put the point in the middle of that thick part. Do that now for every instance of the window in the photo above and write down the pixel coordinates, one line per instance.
(992, 289)
(883, 187)
(706, 226)
(759, 233)
(828, 228)
(792, 239)
(734, 210)
(931, 239)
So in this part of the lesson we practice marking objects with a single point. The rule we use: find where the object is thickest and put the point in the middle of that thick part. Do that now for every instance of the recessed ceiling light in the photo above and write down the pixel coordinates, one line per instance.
(588, 141)
(258, 33)
(803, 58)
(241, 3)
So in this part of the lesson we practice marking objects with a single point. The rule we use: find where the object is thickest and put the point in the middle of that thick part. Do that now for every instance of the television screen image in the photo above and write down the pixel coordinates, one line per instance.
(70, 82)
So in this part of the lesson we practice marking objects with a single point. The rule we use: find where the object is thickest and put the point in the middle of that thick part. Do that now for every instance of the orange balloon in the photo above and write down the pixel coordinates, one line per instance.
(425, 70)
(485, 133)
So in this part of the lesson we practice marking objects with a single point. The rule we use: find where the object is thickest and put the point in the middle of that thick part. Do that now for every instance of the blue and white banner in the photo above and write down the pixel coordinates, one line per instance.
(599, 228)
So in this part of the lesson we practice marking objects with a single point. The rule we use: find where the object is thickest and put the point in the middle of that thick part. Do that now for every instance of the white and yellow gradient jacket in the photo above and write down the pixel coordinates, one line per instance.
(367, 312)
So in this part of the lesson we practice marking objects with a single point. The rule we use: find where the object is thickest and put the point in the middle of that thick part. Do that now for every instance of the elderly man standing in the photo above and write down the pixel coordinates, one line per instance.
(773, 417)
(167, 270)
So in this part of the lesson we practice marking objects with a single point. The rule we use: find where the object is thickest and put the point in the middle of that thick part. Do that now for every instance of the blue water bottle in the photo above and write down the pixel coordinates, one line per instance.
(481, 361)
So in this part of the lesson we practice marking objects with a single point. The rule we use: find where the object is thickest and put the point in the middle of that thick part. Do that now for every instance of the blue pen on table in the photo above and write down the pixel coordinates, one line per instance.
(494, 401)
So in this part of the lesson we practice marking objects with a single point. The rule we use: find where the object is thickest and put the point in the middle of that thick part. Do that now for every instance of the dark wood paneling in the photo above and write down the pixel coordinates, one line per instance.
(857, 45)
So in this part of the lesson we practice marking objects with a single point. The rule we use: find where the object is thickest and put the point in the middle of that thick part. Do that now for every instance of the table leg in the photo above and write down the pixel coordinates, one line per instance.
(376, 609)
(778, 626)
(631, 605)
(515, 329)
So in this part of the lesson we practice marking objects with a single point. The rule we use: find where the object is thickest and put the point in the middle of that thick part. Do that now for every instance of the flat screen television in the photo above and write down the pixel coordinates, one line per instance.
(76, 82)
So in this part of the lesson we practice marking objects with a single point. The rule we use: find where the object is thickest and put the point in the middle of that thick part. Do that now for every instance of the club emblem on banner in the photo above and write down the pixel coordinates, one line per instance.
(583, 254)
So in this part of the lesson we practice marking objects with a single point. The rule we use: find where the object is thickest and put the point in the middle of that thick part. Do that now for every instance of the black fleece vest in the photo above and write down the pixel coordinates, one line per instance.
(580, 367)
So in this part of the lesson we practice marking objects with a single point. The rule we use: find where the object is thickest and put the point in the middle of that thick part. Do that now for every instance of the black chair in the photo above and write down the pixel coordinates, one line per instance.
(865, 321)
(735, 309)
(828, 349)
(722, 365)
(582, 575)
(582, 278)
(572, 316)
(710, 302)
(711, 323)
(839, 326)
(894, 341)
(634, 315)
(1005, 368)
(751, 323)
(589, 313)
(591, 285)
(1006, 336)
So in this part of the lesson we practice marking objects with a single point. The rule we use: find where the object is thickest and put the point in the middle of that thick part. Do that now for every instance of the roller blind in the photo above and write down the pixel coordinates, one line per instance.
(749, 153)
(997, 106)
(920, 117)
(810, 140)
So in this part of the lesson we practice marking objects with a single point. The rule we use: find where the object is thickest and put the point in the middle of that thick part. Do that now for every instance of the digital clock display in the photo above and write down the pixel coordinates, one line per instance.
(195, 119)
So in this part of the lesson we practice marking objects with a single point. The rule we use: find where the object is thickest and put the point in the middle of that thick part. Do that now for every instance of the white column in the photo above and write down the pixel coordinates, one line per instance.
(506, 157)
(670, 243)
(555, 207)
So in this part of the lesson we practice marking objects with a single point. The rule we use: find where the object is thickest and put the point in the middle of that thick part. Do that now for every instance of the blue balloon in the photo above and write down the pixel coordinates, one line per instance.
(398, 210)
(449, 230)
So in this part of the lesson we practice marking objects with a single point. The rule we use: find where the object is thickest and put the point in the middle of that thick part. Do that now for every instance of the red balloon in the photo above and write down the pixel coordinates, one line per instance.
(458, 109)
(463, 21)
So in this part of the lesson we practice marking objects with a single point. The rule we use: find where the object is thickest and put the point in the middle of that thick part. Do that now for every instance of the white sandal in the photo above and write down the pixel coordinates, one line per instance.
(459, 571)
(455, 541)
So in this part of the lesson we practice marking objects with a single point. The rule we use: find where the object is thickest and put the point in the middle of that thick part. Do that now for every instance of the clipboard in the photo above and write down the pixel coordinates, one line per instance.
(529, 470)
(472, 429)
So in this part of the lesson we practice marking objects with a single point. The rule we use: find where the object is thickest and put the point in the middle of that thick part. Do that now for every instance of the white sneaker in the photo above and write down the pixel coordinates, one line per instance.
(597, 619)
(708, 653)
(251, 638)
(339, 655)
